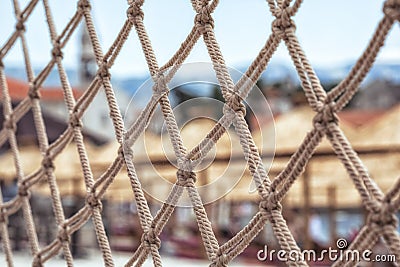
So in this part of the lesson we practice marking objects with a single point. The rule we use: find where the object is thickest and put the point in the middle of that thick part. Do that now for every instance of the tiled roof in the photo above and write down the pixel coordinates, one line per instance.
(358, 117)
(19, 90)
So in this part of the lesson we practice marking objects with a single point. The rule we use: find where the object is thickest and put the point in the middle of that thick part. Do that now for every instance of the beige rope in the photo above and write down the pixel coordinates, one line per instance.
(381, 207)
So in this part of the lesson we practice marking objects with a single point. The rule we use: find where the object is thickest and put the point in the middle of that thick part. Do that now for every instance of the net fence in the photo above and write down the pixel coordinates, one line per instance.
(381, 207)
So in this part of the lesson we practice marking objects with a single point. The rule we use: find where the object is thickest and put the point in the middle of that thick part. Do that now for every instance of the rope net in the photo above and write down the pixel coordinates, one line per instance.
(380, 207)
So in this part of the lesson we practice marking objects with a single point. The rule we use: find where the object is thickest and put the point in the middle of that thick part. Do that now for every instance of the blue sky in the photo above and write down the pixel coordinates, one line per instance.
(331, 32)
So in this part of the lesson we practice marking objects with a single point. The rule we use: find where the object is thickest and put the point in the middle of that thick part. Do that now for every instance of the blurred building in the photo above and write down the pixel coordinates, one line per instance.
(53, 111)
(97, 117)
(379, 94)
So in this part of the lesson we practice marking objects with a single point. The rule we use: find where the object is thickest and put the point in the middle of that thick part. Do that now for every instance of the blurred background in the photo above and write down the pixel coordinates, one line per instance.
(323, 204)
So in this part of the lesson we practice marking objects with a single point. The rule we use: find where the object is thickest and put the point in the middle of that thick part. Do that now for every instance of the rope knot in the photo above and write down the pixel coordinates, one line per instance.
(185, 164)
(160, 86)
(122, 151)
(283, 24)
(384, 217)
(269, 205)
(37, 261)
(9, 123)
(93, 202)
(84, 5)
(391, 8)
(234, 106)
(186, 178)
(149, 238)
(204, 19)
(74, 120)
(237, 104)
(135, 11)
(23, 190)
(63, 234)
(326, 115)
(47, 162)
(103, 72)
(56, 51)
(33, 91)
(220, 260)
(125, 150)
(20, 25)
(229, 112)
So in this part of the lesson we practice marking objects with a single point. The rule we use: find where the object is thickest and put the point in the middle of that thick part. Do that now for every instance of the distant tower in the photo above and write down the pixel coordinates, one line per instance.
(96, 116)
(96, 119)
(87, 66)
